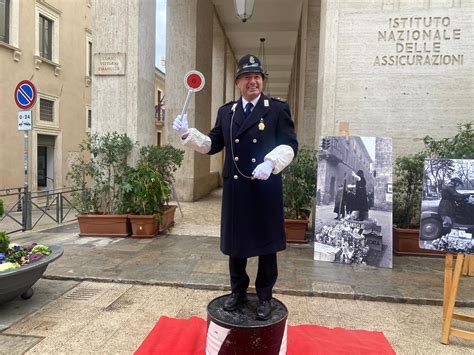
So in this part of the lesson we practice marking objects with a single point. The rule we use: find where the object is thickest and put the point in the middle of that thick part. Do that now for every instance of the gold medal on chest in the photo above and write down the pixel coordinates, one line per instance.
(261, 125)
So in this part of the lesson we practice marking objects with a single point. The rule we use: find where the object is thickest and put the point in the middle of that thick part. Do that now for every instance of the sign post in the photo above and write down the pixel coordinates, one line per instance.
(25, 98)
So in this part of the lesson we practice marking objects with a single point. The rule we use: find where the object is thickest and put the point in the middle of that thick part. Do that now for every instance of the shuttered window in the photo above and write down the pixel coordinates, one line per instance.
(46, 110)
(45, 37)
(89, 118)
(4, 20)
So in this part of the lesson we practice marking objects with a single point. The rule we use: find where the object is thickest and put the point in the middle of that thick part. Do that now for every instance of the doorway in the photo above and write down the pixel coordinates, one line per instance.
(45, 159)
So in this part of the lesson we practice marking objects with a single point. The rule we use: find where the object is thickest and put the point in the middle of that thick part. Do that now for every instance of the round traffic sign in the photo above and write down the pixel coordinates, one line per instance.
(194, 80)
(25, 94)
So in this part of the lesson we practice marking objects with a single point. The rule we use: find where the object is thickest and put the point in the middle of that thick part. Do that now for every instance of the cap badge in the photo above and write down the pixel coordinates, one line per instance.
(252, 60)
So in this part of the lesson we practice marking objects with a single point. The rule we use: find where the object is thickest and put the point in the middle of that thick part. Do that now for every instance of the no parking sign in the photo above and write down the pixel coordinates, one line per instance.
(25, 94)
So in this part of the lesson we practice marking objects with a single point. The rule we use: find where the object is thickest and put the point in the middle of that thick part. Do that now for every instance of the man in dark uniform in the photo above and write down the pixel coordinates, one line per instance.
(361, 203)
(447, 205)
(260, 142)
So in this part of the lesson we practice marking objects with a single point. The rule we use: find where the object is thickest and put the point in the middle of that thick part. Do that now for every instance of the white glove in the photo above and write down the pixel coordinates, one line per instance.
(354, 174)
(180, 125)
(263, 170)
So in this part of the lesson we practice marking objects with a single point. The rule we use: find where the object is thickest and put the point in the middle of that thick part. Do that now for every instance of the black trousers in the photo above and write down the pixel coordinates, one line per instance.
(266, 275)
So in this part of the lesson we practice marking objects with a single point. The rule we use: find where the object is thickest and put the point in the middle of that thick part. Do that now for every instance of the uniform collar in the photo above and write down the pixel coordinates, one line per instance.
(254, 101)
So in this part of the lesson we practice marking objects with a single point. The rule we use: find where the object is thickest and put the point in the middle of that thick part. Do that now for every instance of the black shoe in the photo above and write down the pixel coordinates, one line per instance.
(264, 310)
(234, 301)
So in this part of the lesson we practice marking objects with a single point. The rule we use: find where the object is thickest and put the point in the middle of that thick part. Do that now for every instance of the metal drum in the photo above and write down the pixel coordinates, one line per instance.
(239, 332)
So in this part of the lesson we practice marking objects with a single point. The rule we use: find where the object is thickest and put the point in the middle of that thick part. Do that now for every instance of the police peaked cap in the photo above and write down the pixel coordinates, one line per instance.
(456, 180)
(249, 63)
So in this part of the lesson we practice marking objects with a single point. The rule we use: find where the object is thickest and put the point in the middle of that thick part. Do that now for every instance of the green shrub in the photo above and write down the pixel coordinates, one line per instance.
(299, 183)
(98, 172)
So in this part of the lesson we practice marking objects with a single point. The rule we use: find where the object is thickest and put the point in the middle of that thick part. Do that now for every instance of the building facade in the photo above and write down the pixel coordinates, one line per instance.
(338, 158)
(48, 43)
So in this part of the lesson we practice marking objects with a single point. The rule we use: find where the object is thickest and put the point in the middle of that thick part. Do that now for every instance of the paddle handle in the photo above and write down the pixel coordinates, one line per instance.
(186, 103)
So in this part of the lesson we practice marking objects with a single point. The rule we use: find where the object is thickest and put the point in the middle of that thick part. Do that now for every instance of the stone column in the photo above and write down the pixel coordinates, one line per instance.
(230, 70)
(218, 84)
(125, 103)
(189, 38)
(308, 74)
(325, 115)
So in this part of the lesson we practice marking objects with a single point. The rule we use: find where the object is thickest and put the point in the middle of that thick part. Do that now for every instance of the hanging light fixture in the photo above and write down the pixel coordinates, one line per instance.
(244, 9)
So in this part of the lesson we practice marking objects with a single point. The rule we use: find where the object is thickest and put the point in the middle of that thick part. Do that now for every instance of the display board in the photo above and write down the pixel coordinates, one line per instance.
(353, 223)
(447, 207)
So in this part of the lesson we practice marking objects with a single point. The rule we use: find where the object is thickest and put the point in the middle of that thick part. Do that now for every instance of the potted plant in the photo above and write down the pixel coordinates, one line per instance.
(21, 266)
(408, 186)
(97, 175)
(299, 188)
(148, 190)
(407, 191)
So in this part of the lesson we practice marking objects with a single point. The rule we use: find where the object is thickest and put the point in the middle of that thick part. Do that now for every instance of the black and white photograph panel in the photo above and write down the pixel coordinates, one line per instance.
(447, 207)
(353, 223)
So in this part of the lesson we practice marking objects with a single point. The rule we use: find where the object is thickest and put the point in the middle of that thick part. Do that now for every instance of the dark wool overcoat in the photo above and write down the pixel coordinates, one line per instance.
(252, 221)
(448, 196)
(361, 203)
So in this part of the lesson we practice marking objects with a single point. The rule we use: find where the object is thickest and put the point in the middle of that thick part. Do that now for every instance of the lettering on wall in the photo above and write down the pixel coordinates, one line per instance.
(419, 41)
(109, 64)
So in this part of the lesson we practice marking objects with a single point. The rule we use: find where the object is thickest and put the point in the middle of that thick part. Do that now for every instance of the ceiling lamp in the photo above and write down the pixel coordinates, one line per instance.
(244, 9)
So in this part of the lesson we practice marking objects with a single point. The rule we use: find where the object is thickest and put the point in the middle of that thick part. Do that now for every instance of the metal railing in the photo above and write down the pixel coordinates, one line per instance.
(35, 206)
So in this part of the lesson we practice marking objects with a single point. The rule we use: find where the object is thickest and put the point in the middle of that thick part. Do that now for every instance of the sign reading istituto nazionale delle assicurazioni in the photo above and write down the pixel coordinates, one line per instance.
(421, 41)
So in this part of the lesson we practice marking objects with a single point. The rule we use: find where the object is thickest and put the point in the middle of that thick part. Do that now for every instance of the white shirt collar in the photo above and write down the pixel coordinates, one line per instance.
(254, 101)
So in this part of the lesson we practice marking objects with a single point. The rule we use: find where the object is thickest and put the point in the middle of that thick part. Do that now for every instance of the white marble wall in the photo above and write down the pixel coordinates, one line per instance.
(405, 102)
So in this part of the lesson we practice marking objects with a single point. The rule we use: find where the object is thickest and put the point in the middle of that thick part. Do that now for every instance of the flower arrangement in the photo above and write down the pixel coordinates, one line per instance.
(13, 256)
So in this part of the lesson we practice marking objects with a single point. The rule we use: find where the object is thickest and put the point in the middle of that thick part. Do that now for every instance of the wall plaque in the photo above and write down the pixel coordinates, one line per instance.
(109, 63)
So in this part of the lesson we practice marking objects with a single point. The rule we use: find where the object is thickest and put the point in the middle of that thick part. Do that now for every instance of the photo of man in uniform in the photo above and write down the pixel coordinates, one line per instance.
(258, 135)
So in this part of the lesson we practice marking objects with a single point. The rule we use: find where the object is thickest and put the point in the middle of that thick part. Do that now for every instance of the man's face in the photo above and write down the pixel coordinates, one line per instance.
(250, 85)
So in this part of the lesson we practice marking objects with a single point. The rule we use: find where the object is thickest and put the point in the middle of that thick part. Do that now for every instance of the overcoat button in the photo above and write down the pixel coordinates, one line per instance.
(236, 158)
(235, 177)
(237, 140)
(253, 160)
(254, 140)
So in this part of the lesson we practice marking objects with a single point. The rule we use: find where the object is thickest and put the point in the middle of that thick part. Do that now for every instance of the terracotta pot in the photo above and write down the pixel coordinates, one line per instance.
(407, 242)
(144, 226)
(295, 230)
(167, 219)
(103, 225)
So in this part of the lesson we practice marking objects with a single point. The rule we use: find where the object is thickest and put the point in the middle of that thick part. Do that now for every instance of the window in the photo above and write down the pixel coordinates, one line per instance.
(45, 37)
(158, 106)
(89, 118)
(47, 25)
(4, 20)
(46, 110)
(89, 58)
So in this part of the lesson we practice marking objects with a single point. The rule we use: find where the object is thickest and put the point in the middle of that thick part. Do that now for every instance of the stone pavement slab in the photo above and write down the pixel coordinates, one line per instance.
(45, 291)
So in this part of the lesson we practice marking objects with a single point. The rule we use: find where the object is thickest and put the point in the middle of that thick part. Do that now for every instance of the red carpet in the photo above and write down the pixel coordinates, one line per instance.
(172, 336)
